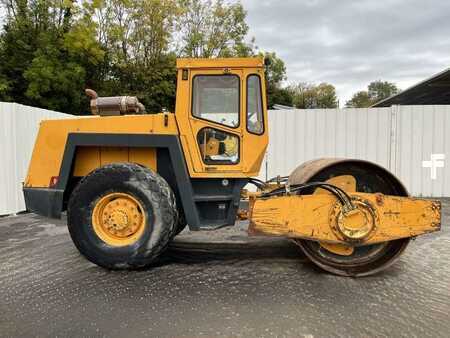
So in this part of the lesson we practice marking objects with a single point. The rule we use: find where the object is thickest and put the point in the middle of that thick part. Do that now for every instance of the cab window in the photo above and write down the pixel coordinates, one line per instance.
(218, 147)
(255, 123)
(216, 98)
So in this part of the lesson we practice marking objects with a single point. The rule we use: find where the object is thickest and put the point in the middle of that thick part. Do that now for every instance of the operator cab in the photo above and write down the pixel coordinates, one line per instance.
(222, 117)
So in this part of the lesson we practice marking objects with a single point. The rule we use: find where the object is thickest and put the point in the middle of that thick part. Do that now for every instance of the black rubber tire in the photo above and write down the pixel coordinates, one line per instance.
(181, 225)
(150, 189)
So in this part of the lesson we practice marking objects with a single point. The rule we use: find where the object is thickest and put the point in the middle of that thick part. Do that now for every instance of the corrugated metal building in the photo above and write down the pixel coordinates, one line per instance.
(434, 90)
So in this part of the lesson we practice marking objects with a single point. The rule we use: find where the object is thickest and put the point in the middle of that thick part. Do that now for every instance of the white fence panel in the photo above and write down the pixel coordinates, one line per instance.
(421, 132)
(298, 135)
(19, 125)
(398, 138)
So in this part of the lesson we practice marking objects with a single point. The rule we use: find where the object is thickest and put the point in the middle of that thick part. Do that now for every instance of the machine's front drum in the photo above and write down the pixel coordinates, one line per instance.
(370, 178)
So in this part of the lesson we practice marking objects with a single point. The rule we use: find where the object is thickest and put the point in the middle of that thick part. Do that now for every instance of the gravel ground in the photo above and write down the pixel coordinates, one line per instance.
(215, 284)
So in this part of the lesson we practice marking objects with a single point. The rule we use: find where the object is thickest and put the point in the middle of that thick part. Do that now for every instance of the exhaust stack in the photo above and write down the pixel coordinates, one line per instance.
(114, 105)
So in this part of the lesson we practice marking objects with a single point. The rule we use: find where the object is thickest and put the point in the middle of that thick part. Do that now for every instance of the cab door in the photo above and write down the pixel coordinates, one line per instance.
(216, 121)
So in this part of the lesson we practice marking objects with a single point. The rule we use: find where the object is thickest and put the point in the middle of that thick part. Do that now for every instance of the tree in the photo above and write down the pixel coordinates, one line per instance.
(360, 99)
(135, 31)
(212, 28)
(280, 96)
(18, 43)
(275, 73)
(302, 95)
(136, 35)
(46, 48)
(380, 90)
(4, 88)
(310, 96)
(51, 50)
(376, 91)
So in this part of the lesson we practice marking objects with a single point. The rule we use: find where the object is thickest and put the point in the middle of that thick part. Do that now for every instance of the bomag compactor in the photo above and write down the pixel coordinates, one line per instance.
(131, 181)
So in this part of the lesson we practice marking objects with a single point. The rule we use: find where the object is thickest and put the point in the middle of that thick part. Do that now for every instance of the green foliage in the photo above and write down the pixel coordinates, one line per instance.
(275, 73)
(4, 88)
(136, 36)
(53, 82)
(46, 49)
(17, 45)
(360, 99)
(310, 96)
(376, 91)
(275, 70)
(380, 90)
(210, 28)
(280, 96)
(51, 50)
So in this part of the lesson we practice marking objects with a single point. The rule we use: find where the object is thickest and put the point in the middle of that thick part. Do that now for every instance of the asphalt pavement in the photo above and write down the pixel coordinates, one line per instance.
(215, 284)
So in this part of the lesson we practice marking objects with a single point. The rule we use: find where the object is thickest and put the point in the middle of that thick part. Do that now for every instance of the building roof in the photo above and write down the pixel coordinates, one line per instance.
(434, 90)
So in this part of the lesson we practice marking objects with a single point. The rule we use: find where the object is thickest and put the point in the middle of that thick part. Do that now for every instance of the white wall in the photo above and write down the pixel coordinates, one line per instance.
(297, 136)
(398, 138)
(19, 125)
(422, 131)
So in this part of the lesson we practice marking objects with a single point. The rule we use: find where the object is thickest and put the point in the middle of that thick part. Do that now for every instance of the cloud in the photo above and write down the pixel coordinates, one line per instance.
(351, 43)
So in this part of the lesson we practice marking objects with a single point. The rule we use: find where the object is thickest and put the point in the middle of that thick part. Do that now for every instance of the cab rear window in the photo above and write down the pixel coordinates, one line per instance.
(255, 123)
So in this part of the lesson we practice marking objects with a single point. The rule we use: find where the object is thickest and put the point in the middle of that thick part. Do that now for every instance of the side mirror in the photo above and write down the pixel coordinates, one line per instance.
(267, 61)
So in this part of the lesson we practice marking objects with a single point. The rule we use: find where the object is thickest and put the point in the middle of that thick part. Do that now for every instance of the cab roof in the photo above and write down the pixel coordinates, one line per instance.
(256, 62)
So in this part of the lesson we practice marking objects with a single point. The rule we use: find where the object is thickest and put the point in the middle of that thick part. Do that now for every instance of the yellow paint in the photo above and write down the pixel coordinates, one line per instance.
(315, 217)
(51, 141)
(231, 146)
(348, 184)
(221, 63)
(86, 160)
(118, 219)
(89, 158)
(252, 147)
(345, 182)
(210, 147)
(338, 249)
(356, 224)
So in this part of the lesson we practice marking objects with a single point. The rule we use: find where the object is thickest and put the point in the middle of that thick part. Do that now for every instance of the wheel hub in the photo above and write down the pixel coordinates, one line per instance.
(118, 219)
(357, 224)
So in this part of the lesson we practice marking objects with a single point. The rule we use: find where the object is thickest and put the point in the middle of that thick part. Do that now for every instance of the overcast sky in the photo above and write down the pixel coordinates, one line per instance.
(351, 43)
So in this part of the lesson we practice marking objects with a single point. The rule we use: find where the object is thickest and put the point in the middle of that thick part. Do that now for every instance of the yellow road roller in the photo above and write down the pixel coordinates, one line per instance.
(130, 181)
